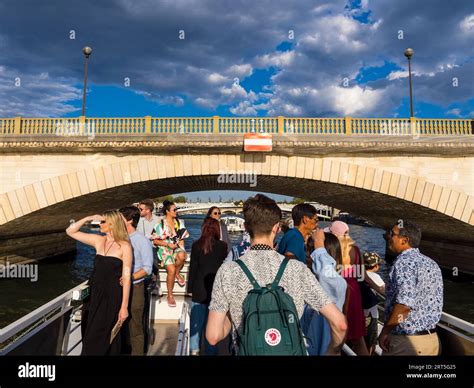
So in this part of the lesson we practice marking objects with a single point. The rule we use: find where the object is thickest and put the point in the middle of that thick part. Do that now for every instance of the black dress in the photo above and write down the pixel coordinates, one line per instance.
(102, 309)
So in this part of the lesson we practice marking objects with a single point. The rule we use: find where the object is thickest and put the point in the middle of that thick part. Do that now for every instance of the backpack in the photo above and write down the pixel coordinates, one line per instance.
(270, 323)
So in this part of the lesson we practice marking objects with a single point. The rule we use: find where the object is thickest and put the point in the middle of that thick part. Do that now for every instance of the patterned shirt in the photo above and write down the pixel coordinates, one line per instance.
(415, 281)
(231, 285)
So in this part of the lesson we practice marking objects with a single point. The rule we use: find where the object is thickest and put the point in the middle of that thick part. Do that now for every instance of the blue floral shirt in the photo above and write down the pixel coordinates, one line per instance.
(415, 281)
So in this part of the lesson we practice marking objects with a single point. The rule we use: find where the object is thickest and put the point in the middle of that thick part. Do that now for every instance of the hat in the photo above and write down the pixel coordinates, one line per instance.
(337, 228)
(371, 259)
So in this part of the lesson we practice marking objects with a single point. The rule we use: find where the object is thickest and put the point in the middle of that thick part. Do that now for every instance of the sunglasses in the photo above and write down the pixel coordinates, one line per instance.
(103, 222)
(217, 213)
(174, 210)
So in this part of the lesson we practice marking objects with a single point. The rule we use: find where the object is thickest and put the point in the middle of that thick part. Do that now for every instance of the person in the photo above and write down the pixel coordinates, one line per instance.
(325, 258)
(351, 269)
(148, 220)
(239, 250)
(207, 255)
(108, 301)
(389, 255)
(142, 267)
(146, 226)
(305, 219)
(231, 286)
(286, 224)
(414, 297)
(171, 252)
(370, 300)
(215, 212)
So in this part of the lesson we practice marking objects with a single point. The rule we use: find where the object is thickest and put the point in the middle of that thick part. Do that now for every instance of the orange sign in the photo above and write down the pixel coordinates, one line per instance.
(258, 142)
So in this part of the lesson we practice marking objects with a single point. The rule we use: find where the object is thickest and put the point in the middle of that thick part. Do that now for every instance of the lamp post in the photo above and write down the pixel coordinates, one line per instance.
(409, 54)
(87, 52)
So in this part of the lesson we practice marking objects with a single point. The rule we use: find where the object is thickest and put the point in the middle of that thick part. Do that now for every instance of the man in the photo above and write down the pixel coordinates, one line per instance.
(293, 243)
(148, 220)
(146, 226)
(414, 297)
(231, 286)
(142, 266)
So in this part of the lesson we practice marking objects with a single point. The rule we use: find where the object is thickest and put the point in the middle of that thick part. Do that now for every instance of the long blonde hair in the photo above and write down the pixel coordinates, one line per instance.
(118, 230)
(346, 244)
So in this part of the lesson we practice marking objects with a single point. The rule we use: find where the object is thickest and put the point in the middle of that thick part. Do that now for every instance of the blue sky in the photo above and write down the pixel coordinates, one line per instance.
(267, 58)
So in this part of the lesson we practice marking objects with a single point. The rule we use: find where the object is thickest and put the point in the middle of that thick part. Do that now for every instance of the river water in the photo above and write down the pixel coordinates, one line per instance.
(56, 275)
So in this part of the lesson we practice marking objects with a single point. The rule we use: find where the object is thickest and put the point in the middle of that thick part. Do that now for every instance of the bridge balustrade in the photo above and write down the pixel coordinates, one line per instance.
(148, 125)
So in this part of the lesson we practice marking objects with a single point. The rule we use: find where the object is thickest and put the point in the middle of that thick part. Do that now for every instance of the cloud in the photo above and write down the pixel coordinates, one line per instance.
(455, 112)
(467, 24)
(397, 74)
(244, 109)
(35, 95)
(141, 40)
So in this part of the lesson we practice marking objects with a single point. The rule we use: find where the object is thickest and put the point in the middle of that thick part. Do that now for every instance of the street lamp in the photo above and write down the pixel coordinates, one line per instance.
(87, 52)
(409, 54)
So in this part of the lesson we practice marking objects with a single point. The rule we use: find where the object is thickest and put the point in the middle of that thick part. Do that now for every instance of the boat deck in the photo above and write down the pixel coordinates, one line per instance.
(165, 339)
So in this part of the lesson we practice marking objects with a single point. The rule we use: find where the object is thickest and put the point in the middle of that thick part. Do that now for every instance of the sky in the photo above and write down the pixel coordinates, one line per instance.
(302, 58)
(237, 58)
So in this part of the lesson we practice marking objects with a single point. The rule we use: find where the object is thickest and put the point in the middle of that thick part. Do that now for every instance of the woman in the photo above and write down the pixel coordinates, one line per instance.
(324, 260)
(108, 303)
(169, 239)
(351, 269)
(207, 255)
(215, 212)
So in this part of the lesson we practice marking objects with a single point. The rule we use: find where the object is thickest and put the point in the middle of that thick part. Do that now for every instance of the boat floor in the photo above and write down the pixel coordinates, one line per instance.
(166, 339)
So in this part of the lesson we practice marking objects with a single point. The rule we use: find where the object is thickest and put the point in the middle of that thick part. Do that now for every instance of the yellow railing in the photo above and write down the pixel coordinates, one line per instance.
(233, 125)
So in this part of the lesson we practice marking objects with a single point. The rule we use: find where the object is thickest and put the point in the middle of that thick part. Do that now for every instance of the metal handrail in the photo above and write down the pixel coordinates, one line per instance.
(34, 316)
(182, 348)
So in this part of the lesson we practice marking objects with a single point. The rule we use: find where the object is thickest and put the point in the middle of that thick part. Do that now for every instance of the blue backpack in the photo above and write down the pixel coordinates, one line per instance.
(270, 324)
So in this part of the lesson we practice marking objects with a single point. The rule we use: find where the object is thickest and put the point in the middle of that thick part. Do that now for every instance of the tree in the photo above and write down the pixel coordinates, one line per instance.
(161, 199)
(296, 201)
(179, 199)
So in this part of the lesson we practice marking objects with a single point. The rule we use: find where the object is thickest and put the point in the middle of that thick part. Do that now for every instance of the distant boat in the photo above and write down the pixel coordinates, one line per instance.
(234, 224)
(353, 220)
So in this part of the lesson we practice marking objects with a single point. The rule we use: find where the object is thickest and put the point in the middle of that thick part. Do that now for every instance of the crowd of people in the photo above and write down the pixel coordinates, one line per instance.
(335, 287)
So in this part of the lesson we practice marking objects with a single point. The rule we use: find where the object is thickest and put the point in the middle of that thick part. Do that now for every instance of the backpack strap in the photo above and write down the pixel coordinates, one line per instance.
(280, 272)
(249, 275)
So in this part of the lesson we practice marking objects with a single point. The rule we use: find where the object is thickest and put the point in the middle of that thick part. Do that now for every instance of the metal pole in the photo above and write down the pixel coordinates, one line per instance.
(86, 61)
(411, 93)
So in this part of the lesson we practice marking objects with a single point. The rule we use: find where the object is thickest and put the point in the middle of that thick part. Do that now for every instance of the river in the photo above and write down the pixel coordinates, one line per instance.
(56, 275)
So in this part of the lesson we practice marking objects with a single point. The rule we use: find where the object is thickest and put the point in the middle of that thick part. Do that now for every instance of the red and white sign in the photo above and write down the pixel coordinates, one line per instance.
(259, 142)
(272, 337)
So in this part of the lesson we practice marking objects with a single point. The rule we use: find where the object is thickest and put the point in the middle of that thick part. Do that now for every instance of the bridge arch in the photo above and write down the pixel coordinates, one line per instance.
(374, 193)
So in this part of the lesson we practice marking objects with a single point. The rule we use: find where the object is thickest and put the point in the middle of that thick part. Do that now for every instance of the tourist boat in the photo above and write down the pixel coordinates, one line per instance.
(55, 327)
(234, 224)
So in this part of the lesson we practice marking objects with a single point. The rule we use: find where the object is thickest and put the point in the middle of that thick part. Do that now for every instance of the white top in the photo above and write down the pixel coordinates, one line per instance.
(146, 227)
(375, 278)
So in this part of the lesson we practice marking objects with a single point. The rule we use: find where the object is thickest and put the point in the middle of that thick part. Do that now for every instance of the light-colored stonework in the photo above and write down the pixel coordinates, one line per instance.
(43, 188)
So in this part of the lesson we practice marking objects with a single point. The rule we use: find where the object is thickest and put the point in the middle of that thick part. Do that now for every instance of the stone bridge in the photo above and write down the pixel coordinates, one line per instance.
(55, 170)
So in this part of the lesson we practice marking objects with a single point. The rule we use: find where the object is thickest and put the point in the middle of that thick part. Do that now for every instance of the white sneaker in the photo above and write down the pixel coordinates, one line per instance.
(194, 353)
